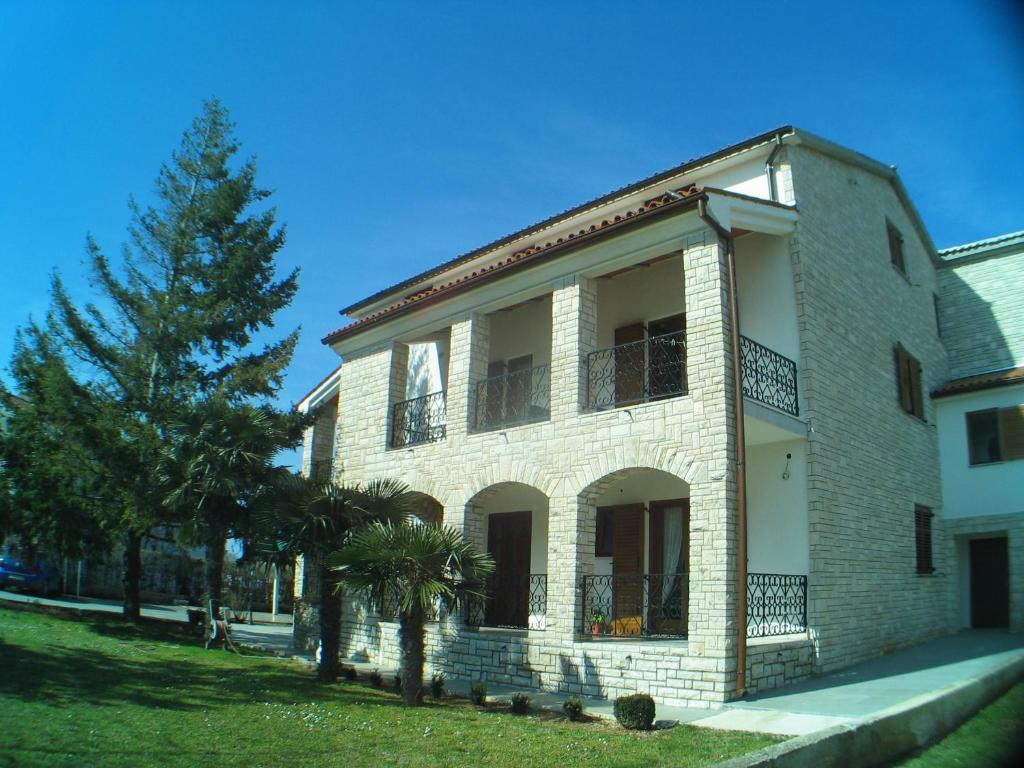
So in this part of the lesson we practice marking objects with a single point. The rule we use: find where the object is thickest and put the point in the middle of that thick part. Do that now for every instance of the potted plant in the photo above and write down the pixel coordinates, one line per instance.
(597, 623)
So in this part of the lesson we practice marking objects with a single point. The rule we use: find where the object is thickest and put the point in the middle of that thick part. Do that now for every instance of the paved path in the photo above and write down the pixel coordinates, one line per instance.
(846, 696)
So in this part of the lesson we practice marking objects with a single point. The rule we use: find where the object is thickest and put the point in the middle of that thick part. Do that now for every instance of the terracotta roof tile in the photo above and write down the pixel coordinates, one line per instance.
(1004, 378)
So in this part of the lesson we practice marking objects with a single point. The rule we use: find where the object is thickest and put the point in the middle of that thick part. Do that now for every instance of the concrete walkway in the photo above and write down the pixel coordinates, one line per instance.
(840, 698)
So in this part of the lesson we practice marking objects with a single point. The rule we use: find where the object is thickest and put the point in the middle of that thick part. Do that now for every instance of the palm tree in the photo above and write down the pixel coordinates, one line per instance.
(220, 457)
(313, 519)
(419, 564)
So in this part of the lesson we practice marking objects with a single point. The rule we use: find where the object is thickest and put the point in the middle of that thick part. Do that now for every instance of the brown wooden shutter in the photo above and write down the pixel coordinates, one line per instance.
(902, 379)
(896, 248)
(1011, 431)
(914, 371)
(923, 539)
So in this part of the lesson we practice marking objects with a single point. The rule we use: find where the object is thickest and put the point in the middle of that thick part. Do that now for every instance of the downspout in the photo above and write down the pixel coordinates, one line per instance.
(741, 452)
(769, 169)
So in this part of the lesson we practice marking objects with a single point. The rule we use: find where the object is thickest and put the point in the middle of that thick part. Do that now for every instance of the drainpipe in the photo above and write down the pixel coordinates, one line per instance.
(741, 453)
(769, 169)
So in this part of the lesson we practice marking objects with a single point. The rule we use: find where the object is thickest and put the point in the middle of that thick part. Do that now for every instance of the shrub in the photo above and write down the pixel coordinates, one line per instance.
(349, 673)
(375, 679)
(520, 703)
(635, 712)
(573, 708)
(397, 684)
(437, 686)
(478, 693)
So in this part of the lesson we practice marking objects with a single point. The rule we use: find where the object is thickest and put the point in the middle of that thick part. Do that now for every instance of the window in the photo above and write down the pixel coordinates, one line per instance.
(908, 380)
(605, 529)
(996, 434)
(923, 538)
(896, 247)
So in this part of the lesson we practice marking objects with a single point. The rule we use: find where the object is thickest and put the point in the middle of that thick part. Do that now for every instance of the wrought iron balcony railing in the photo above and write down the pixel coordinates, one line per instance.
(776, 604)
(520, 397)
(768, 377)
(638, 372)
(515, 600)
(636, 604)
(420, 420)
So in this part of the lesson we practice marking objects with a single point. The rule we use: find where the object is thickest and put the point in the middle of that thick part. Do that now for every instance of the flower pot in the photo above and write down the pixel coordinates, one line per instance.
(597, 628)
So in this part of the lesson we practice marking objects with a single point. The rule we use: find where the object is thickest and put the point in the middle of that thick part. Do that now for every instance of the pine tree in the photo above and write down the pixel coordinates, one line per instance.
(176, 324)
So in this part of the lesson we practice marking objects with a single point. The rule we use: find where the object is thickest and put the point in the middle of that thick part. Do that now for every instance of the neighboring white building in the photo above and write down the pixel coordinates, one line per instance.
(576, 398)
(981, 427)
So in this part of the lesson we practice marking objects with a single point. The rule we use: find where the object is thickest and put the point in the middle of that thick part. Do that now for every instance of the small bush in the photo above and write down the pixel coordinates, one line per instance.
(397, 684)
(573, 708)
(375, 679)
(349, 673)
(437, 686)
(635, 712)
(478, 693)
(520, 703)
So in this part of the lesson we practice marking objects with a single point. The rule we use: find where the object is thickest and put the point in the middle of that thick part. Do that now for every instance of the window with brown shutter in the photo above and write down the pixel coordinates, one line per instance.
(923, 538)
(995, 434)
(908, 380)
(896, 247)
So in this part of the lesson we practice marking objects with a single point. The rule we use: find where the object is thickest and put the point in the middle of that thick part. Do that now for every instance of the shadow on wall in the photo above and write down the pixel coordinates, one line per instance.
(977, 329)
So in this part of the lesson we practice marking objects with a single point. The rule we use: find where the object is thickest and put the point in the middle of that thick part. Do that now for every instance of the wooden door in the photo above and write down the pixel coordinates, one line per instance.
(668, 599)
(627, 570)
(990, 583)
(665, 366)
(629, 364)
(508, 541)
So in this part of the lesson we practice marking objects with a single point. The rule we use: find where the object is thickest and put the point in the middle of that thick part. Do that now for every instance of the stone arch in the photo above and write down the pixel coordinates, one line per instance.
(635, 454)
(427, 508)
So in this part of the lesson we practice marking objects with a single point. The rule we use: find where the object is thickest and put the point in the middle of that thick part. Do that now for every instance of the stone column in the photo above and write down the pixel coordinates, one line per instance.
(713, 539)
(573, 335)
(470, 346)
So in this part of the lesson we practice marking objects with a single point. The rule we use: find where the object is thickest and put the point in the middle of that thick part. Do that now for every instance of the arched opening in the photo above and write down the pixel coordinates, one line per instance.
(638, 580)
(426, 508)
(510, 520)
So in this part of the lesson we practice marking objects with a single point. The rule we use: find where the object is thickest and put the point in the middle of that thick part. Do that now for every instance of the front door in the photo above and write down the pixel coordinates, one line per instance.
(990, 583)
(627, 569)
(508, 541)
(669, 588)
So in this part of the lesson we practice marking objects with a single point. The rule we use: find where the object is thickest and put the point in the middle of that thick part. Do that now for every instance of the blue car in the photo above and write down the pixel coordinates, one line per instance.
(40, 577)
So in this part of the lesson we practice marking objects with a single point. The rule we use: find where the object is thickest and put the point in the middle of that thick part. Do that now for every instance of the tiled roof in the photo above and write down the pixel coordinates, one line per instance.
(980, 246)
(533, 228)
(677, 199)
(1003, 378)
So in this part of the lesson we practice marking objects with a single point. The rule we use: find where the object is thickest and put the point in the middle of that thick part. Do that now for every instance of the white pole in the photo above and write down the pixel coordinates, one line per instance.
(275, 594)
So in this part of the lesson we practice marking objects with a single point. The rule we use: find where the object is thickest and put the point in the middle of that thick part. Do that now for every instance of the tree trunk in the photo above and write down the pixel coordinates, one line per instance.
(131, 576)
(330, 625)
(214, 572)
(412, 637)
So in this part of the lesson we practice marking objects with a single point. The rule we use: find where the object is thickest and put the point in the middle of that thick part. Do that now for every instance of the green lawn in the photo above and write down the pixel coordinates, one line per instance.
(93, 691)
(992, 738)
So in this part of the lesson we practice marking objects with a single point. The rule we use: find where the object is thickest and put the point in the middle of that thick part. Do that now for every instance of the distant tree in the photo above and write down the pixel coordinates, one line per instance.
(220, 459)
(175, 324)
(313, 519)
(419, 564)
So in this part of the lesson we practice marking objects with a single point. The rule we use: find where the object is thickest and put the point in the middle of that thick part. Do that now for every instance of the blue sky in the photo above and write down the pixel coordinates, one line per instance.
(398, 135)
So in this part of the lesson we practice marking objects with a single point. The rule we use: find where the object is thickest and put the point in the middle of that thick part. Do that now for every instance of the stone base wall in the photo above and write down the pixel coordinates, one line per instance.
(775, 663)
(665, 669)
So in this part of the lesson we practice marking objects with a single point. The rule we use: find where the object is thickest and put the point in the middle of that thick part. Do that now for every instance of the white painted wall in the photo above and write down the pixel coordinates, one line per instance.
(640, 295)
(987, 489)
(764, 276)
(525, 330)
(777, 536)
(746, 178)
(428, 365)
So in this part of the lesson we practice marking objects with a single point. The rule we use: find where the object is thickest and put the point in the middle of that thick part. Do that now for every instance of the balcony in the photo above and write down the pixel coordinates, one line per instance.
(768, 377)
(514, 601)
(417, 421)
(637, 372)
(776, 604)
(635, 605)
(520, 397)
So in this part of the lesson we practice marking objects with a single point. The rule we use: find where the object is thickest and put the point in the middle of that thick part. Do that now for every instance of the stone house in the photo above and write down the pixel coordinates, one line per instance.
(688, 418)
(981, 428)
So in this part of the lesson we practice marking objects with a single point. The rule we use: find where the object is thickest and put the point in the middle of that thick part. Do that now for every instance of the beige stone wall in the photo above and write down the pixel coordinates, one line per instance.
(868, 462)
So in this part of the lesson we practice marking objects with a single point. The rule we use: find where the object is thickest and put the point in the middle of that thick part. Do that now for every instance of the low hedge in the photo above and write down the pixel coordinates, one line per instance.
(635, 712)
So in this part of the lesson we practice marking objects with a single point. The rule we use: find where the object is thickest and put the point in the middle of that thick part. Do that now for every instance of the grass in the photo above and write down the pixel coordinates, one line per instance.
(994, 737)
(93, 691)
